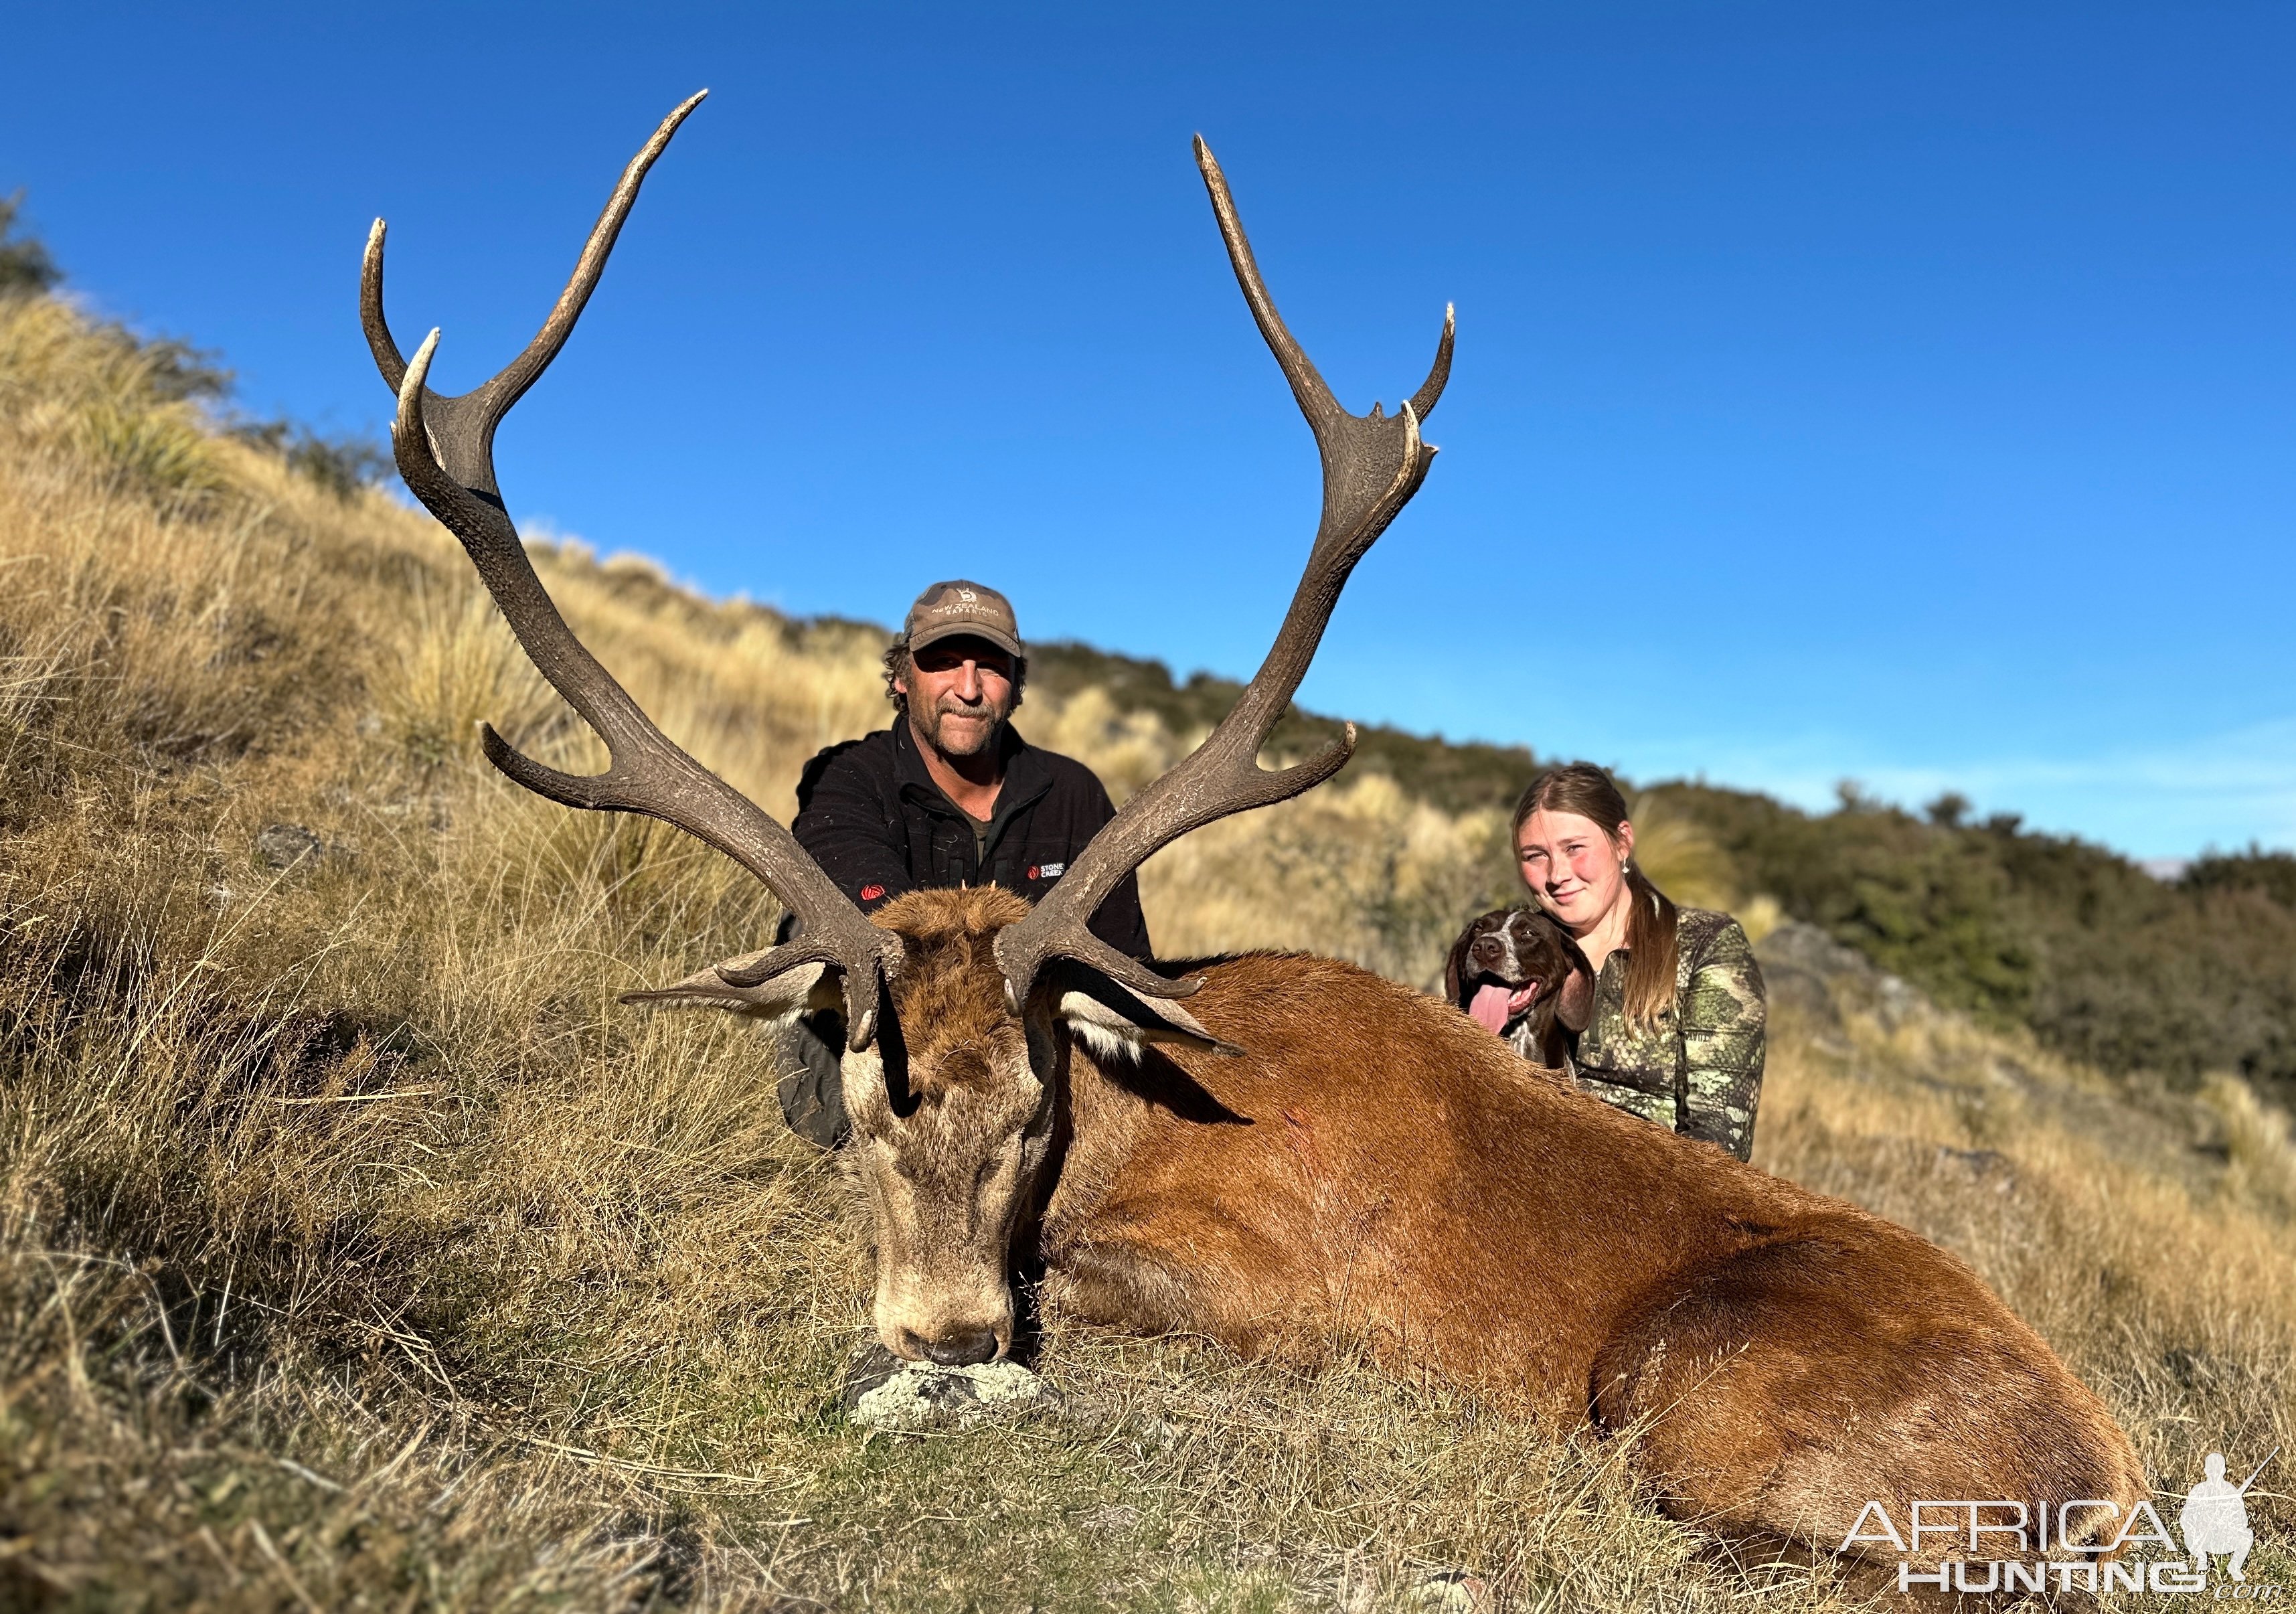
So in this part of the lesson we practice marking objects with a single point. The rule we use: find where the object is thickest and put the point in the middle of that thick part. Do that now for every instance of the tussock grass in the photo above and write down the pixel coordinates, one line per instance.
(357, 1251)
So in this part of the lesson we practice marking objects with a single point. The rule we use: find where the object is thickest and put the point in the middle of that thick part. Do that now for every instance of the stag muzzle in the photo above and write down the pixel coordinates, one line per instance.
(956, 1319)
(963, 1349)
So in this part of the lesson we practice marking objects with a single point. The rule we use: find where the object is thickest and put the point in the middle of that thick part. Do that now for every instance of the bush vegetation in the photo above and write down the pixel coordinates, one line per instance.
(2098, 958)
(359, 1251)
(25, 265)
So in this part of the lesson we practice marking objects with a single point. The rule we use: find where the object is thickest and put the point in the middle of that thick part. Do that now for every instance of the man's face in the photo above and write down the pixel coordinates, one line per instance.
(960, 692)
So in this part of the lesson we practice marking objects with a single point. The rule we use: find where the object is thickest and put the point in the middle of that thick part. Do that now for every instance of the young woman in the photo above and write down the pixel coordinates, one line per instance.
(1670, 1027)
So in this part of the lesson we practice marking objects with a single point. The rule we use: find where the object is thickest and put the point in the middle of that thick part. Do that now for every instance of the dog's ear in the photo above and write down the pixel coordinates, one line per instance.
(1455, 967)
(1572, 997)
(1572, 953)
(1574, 1001)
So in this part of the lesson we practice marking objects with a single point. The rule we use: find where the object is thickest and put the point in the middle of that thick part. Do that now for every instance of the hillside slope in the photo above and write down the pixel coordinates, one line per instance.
(357, 1251)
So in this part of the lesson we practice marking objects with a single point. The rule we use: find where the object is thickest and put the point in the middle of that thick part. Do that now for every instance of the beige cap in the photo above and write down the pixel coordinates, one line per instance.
(946, 610)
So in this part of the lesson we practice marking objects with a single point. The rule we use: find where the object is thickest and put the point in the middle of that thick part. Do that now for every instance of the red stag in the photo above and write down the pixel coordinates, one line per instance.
(1305, 1150)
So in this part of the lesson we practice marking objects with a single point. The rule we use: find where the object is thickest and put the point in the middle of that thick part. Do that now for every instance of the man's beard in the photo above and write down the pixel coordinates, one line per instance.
(929, 723)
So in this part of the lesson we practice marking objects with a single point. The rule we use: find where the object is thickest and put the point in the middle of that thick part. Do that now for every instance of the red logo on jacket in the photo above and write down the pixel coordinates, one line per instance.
(870, 893)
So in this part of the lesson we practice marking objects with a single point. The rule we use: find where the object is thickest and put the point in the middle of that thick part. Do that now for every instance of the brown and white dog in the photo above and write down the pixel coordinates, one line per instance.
(1509, 970)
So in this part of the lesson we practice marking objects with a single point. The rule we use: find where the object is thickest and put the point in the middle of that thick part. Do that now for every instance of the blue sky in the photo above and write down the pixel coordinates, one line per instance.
(1903, 393)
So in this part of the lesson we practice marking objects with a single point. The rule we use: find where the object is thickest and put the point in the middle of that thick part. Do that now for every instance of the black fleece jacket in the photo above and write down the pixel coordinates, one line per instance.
(878, 825)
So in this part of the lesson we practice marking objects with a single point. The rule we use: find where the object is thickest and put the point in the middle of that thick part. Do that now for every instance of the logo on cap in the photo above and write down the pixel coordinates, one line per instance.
(954, 607)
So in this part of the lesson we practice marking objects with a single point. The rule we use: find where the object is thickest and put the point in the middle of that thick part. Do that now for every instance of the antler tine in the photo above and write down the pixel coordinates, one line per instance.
(1372, 466)
(1438, 373)
(1307, 385)
(647, 772)
(511, 384)
(1315, 399)
(463, 426)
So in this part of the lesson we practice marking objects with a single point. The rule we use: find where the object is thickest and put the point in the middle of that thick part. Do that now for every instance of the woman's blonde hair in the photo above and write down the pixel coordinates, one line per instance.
(1585, 789)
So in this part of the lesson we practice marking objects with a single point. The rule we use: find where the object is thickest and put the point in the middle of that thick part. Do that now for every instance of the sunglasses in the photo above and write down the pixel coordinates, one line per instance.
(947, 658)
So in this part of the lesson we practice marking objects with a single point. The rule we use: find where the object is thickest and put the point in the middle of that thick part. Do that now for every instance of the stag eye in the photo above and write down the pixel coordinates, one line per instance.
(994, 1163)
(894, 1159)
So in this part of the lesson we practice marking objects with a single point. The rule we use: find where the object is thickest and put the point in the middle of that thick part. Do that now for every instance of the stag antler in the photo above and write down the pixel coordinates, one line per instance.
(1372, 466)
(445, 449)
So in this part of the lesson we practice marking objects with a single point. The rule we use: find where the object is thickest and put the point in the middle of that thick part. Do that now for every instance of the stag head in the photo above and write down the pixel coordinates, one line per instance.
(963, 1008)
(953, 1103)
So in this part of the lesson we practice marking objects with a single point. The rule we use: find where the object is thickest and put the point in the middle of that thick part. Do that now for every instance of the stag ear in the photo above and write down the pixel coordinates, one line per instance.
(1115, 1023)
(793, 992)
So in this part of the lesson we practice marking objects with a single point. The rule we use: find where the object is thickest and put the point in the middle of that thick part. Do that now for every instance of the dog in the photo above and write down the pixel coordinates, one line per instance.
(1508, 972)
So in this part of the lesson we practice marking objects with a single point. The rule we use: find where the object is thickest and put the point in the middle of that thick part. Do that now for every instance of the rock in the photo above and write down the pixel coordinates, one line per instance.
(1796, 946)
(1807, 969)
(1800, 965)
(868, 1370)
(883, 1392)
(1901, 1001)
(280, 846)
(1453, 1592)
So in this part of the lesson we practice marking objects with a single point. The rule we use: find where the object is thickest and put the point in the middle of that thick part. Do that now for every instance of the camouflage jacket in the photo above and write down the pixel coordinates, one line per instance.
(1699, 1069)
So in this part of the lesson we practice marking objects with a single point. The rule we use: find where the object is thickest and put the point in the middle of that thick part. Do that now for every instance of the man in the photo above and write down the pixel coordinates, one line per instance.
(948, 795)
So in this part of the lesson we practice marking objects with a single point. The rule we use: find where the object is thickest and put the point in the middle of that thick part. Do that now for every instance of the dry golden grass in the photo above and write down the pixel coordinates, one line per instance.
(357, 1251)
(2143, 1232)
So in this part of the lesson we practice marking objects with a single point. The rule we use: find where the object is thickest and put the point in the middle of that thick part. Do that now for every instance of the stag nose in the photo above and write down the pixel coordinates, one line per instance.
(958, 1347)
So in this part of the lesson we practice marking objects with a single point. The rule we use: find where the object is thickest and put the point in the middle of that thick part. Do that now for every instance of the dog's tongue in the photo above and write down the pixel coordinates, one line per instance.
(1489, 1006)
(1495, 1003)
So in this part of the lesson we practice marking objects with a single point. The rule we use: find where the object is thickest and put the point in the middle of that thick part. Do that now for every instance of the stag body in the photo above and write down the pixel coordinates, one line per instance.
(1376, 1167)
(1306, 1150)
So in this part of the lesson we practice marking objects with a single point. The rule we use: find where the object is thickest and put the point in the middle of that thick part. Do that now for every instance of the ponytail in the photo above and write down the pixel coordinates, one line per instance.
(1652, 953)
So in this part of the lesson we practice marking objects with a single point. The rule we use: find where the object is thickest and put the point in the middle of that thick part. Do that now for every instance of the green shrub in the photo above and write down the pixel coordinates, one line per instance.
(2099, 959)
(25, 265)
(342, 465)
